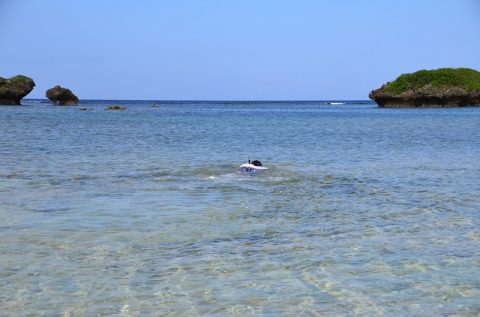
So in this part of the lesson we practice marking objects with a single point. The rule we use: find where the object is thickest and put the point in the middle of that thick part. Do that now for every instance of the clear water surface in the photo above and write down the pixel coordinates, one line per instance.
(362, 211)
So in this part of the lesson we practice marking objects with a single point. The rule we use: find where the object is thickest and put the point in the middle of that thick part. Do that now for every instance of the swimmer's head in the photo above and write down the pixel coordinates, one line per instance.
(256, 163)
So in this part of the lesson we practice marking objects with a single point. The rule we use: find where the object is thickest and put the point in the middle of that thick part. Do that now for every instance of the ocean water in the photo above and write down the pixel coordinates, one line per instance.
(362, 211)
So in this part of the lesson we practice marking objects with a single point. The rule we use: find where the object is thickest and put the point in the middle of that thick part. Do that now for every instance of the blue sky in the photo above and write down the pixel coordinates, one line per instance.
(232, 49)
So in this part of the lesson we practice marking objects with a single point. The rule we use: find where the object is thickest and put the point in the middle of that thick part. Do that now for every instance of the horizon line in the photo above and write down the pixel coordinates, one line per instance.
(214, 100)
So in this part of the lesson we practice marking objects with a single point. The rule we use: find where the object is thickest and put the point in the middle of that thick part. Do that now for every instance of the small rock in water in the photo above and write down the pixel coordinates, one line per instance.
(154, 105)
(116, 108)
(85, 109)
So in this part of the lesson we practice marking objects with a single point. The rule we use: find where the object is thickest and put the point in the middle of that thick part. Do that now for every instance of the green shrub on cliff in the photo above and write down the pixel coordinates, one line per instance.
(442, 78)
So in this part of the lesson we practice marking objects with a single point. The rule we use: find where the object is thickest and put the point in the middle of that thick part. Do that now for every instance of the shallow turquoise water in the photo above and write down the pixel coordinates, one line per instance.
(363, 211)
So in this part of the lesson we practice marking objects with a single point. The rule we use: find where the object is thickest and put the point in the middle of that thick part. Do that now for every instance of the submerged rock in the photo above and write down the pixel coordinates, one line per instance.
(14, 89)
(444, 87)
(116, 108)
(61, 96)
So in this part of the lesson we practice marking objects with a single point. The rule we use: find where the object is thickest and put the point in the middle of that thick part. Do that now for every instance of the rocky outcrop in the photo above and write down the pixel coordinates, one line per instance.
(427, 96)
(444, 87)
(116, 108)
(61, 96)
(14, 89)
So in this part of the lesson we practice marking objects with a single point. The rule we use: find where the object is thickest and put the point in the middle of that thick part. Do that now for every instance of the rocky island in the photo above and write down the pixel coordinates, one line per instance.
(14, 89)
(444, 87)
(61, 96)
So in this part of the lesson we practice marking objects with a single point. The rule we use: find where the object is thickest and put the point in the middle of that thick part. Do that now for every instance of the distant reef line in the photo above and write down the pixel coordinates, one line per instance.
(442, 87)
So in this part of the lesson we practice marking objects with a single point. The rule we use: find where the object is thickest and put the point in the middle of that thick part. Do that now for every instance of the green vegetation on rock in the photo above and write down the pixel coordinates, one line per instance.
(442, 78)
(19, 79)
